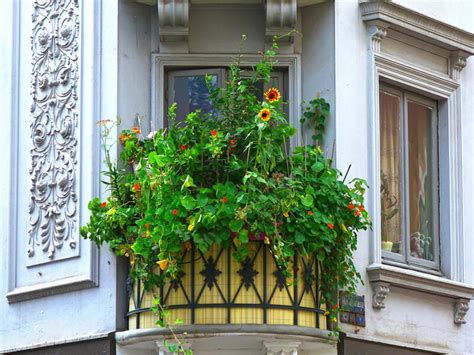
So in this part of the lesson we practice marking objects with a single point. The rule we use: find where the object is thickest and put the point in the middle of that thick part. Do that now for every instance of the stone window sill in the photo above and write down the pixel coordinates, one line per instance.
(382, 277)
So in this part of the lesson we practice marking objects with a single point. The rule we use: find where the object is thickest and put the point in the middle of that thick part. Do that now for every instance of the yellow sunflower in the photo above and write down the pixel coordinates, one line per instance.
(264, 114)
(272, 95)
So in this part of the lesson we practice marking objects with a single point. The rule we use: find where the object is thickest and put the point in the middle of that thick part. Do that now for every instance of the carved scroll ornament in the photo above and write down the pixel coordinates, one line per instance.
(54, 81)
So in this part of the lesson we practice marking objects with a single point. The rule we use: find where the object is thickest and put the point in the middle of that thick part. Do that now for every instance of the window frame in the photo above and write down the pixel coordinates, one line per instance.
(405, 256)
(163, 62)
(445, 91)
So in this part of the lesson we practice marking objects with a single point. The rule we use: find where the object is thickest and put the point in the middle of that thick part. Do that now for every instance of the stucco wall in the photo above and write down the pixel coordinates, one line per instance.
(86, 313)
(410, 317)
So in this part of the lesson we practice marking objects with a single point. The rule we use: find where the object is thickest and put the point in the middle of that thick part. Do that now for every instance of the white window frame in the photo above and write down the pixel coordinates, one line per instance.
(162, 62)
(404, 257)
(443, 89)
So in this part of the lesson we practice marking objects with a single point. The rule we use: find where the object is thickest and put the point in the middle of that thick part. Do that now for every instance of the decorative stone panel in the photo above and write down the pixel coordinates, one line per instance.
(53, 171)
(280, 18)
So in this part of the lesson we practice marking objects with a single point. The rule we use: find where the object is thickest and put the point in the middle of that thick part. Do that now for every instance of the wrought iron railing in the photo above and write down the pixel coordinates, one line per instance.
(214, 288)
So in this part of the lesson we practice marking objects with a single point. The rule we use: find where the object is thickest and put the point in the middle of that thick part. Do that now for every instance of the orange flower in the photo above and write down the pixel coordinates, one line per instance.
(213, 133)
(330, 226)
(175, 212)
(233, 142)
(136, 130)
(136, 187)
(123, 138)
(224, 199)
(310, 213)
(183, 147)
(163, 264)
(104, 204)
(361, 208)
(357, 213)
(264, 114)
(351, 206)
(147, 225)
(286, 214)
(272, 95)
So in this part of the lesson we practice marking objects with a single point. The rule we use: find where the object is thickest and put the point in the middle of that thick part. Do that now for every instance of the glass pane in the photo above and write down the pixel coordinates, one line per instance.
(421, 181)
(390, 171)
(191, 93)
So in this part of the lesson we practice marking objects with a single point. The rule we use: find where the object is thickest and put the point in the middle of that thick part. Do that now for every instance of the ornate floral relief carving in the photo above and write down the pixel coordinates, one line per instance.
(54, 80)
(376, 35)
(461, 306)
(458, 62)
(380, 292)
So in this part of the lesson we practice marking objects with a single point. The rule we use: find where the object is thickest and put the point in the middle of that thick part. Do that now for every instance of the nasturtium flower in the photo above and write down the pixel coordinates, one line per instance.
(136, 187)
(183, 147)
(361, 208)
(136, 130)
(330, 226)
(103, 204)
(357, 213)
(214, 133)
(175, 212)
(272, 95)
(224, 199)
(264, 114)
(351, 206)
(286, 214)
(310, 213)
(163, 264)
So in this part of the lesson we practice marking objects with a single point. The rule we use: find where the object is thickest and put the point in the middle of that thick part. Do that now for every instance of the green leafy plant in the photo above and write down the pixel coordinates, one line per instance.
(227, 177)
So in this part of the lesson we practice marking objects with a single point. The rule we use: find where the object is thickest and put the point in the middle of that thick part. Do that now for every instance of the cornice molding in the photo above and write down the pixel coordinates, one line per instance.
(417, 25)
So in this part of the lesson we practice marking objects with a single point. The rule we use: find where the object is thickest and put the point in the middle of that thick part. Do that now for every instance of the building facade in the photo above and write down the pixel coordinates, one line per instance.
(399, 76)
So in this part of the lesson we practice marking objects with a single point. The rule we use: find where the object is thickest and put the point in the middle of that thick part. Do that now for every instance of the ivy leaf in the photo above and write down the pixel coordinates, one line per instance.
(235, 225)
(307, 200)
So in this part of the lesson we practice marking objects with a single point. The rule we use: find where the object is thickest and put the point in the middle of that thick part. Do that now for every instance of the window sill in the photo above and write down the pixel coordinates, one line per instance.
(383, 276)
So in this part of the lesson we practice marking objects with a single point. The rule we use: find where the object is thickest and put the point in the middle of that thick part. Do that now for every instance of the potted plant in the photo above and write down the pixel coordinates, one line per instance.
(226, 178)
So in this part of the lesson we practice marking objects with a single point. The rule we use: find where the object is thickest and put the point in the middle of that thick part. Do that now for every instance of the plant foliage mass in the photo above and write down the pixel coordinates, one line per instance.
(229, 177)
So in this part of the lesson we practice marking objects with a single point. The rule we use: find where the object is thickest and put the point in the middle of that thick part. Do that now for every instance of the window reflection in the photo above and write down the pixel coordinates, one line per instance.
(390, 122)
(420, 181)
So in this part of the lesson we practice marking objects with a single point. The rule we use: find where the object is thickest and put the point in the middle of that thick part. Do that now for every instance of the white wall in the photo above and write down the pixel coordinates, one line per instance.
(410, 317)
(70, 316)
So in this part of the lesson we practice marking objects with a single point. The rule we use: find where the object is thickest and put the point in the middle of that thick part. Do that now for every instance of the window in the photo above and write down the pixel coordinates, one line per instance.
(409, 189)
(189, 90)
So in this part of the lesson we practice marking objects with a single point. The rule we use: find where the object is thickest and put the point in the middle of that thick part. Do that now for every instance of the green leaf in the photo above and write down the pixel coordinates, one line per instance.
(188, 202)
(202, 200)
(317, 167)
(299, 238)
(235, 225)
(307, 200)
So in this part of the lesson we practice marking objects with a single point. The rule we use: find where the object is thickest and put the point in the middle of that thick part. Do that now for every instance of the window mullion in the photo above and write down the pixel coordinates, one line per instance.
(405, 187)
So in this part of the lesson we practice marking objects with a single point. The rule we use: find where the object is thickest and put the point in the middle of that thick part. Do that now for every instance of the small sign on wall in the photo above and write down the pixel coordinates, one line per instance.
(352, 309)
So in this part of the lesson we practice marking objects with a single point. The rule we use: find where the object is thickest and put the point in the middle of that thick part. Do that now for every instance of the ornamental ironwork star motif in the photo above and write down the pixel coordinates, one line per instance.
(210, 272)
(247, 272)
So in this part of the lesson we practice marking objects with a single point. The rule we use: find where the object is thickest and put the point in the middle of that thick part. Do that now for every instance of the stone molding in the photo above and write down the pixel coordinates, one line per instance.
(383, 277)
(461, 306)
(281, 347)
(416, 24)
(280, 18)
(173, 19)
(380, 292)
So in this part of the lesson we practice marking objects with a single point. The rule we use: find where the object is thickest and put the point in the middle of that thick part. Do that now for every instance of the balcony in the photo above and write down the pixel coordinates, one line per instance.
(216, 295)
